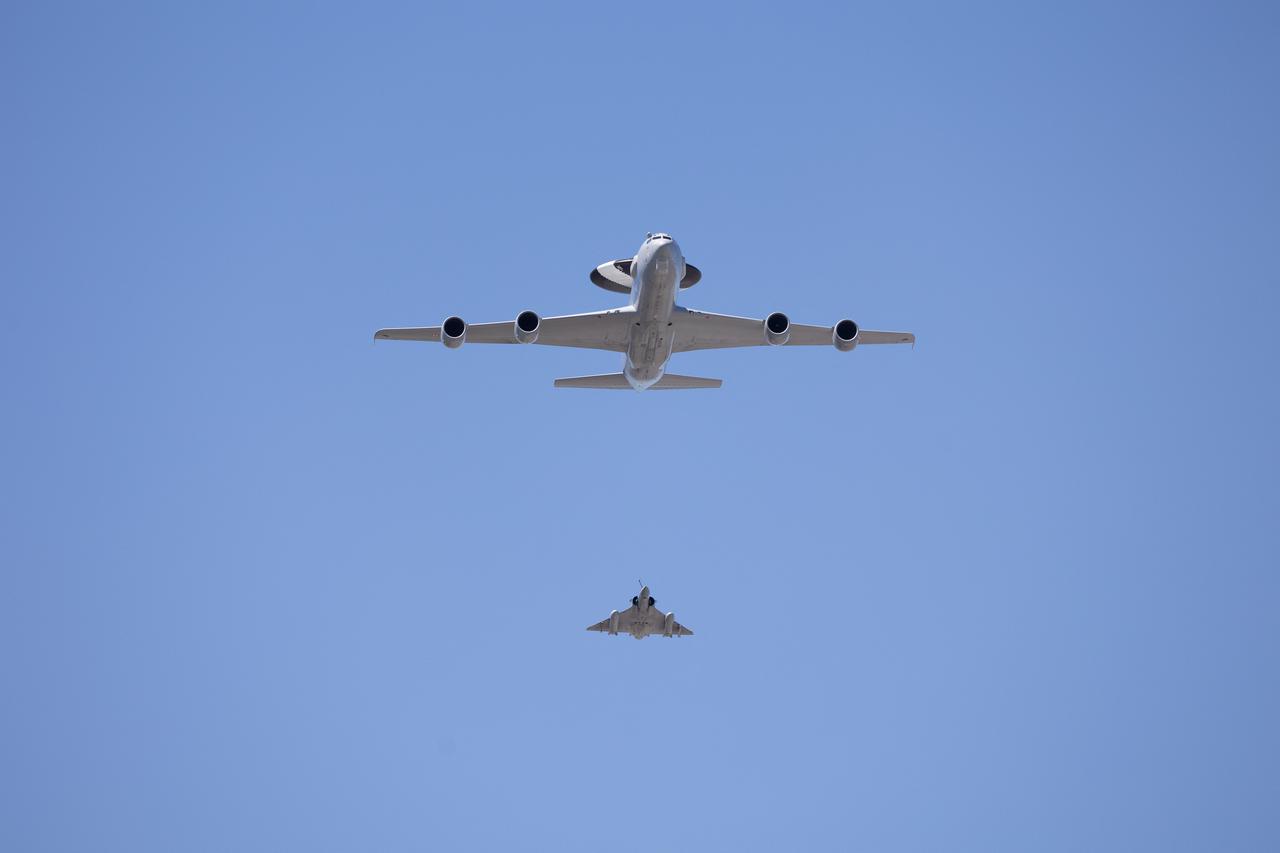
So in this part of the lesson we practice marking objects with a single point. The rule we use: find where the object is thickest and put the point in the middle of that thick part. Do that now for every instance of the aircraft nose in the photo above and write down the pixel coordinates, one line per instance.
(667, 249)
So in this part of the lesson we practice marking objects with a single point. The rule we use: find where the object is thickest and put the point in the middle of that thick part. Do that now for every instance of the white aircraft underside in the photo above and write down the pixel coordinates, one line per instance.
(649, 330)
(642, 619)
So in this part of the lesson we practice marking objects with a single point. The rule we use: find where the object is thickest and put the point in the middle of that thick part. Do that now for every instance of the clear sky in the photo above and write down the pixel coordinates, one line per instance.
(270, 586)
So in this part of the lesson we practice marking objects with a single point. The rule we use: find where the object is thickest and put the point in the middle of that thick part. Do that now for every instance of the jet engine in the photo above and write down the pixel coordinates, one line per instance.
(527, 325)
(845, 335)
(668, 624)
(453, 332)
(613, 622)
(777, 329)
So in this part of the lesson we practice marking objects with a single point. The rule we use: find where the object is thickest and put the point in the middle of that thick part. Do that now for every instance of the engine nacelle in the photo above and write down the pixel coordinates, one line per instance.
(453, 332)
(527, 325)
(845, 335)
(777, 329)
(613, 622)
(668, 624)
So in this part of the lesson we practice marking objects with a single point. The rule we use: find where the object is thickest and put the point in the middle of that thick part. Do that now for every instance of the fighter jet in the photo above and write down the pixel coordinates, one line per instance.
(650, 329)
(642, 619)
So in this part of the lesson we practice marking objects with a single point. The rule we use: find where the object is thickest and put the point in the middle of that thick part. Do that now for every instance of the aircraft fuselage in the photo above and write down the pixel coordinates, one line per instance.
(656, 274)
(641, 628)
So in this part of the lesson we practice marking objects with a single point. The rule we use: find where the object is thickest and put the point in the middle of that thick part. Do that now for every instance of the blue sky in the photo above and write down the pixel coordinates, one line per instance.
(270, 586)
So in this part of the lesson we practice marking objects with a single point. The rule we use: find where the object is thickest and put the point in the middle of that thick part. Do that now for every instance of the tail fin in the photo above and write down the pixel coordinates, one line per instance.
(670, 381)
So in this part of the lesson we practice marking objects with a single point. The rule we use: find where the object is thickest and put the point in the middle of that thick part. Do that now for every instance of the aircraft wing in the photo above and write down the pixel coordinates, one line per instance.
(678, 630)
(603, 330)
(625, 618)
(703, 330)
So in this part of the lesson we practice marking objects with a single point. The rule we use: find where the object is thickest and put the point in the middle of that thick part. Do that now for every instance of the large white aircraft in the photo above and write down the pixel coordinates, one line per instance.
(642, 619)
(650, 329)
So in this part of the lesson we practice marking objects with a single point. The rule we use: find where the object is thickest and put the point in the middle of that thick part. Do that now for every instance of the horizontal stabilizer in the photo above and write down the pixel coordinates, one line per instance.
(675, 380)
(618, 381)
(603, 380)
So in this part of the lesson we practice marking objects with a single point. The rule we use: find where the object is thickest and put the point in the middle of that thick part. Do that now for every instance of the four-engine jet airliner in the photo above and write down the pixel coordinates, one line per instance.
(650, 329)
(642, 619)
